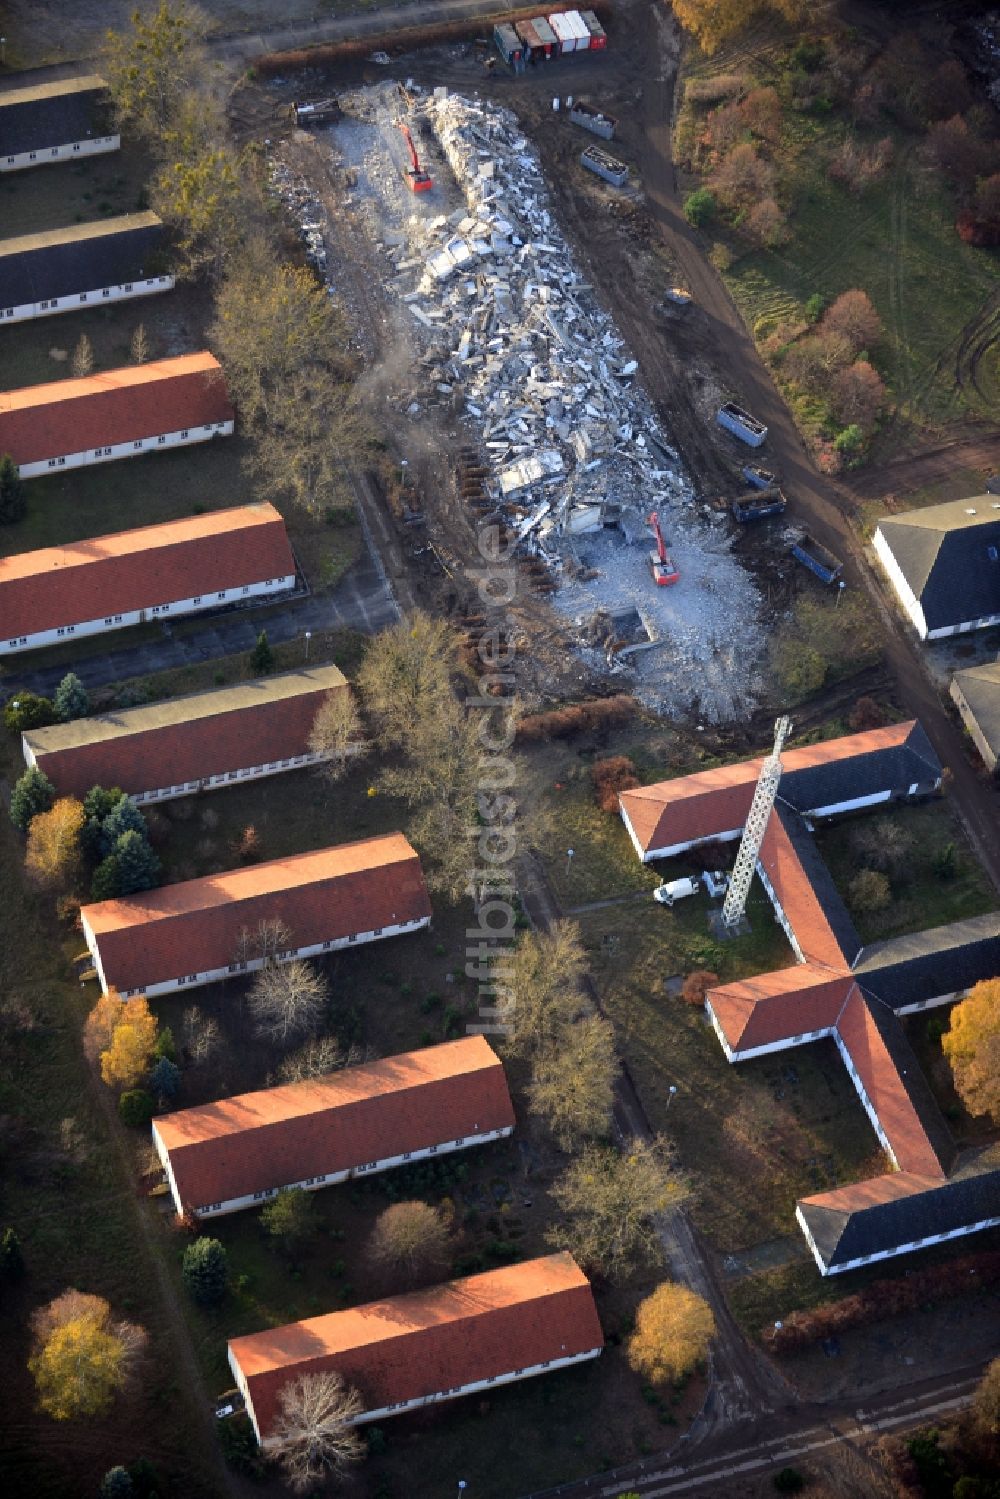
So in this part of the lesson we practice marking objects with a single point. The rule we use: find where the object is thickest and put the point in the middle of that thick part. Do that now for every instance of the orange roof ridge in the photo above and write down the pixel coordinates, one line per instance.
(379, 1321)
(142, 539)
(234, 885)
(130, 375)
(245, 1112)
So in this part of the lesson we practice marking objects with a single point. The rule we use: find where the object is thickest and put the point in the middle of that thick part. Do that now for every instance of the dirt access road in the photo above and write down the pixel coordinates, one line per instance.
(820, 502)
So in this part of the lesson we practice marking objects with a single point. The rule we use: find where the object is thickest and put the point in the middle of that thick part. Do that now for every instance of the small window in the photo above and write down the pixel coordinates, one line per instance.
(222, 593)
(106, 292)
(137, 444)
(97, 452)
(118, 619)
(76, 147)
(32, 155)
(246, 588)
(184, 434)
(353, 937)
(197, 600)
(378, 931)
(83, 296)
(161, 439)
(128, 286)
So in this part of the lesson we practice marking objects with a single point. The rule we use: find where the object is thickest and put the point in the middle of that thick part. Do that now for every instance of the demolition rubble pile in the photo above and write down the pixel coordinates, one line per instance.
(305, 208)
(501, 329)
(512, 331)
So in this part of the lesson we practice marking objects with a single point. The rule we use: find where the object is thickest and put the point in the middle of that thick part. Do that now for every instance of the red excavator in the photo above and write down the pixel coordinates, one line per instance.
(664, 568)
(419, 181)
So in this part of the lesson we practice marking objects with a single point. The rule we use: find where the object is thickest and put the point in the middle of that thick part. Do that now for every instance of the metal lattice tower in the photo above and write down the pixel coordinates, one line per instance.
(756, 826)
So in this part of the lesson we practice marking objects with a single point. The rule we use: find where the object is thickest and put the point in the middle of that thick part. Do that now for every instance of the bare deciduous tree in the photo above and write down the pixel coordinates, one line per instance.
(314, 1435)
(287, 1000)
(318, 1057)
(411, 1239)
(83, 357)
(611, 1201)
(573, 1083)
(201, 1034)
(139, 346)
(405, 676)
(336, 732)
(262, 942)
(539, 987)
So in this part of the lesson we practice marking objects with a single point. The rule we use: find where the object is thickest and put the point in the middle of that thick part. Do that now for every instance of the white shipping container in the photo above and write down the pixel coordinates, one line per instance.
(563, 31)
(580, 30)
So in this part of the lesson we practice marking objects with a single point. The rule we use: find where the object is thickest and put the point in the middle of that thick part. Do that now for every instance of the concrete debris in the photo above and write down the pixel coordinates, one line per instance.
(305, 208)
(506, 334)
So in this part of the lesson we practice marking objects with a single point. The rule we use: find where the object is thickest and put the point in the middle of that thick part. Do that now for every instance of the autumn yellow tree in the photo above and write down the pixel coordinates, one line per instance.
(53, 853)
(714, 21)
(81, 1358)
(972, 1046)
(673, 1328)
(126, 1040)
(986, 1402)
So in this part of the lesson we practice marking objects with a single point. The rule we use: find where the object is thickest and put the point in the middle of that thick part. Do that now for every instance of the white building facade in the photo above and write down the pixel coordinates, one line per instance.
(95, 145)
(249, 965)
(97, 297)
(152, 443)
(314, 1183)
(173, 609)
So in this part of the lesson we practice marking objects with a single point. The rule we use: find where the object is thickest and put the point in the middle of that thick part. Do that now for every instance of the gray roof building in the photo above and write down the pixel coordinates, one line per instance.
(921, 968)
(53, 114)
(944, 563)
(854, 1225)
(80, 258)
(976, 694)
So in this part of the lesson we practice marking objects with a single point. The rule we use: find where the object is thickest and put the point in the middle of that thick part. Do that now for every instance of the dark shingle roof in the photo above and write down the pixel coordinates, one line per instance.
(820, 882)
(82, 257)
(843, 1232)
(943, 552)
(53, 114)
(925, 965)
(894, 767)
(980, 686)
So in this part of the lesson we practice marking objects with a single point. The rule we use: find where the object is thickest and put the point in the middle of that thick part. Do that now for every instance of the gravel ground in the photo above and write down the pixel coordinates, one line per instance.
(515, 346)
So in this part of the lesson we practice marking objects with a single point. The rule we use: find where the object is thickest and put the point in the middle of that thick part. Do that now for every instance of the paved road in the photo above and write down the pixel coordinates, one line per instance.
(780, 1443)
(363, 600)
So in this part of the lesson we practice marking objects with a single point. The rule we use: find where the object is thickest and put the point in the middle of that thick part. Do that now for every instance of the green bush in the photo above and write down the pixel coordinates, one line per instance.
(136, 1108)
(699, 207)
(815, 306)
(205, 1272)
(945, 862)
(28, 711)
(850, 440)
(32, 794)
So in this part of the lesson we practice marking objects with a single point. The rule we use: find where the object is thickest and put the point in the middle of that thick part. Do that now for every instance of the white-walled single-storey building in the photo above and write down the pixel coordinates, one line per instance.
(462, 1338)
(142, 408)
(180, 567)
(841, 990)
(201, 931)
(239, 1152)
(186, 744)
(896, 763)
(943, 563)
(110, 582)
(54, 122)
(975, 691)
(81, 266)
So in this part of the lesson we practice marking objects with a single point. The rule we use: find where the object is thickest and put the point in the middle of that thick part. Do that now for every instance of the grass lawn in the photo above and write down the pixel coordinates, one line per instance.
(791, 1123)
(73, 192)
(920, 897)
